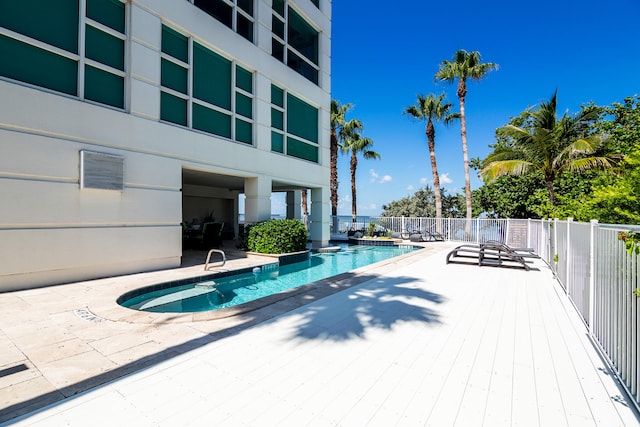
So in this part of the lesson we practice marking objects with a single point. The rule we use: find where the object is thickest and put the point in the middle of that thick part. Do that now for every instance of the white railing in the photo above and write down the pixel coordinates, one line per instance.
(588, 259)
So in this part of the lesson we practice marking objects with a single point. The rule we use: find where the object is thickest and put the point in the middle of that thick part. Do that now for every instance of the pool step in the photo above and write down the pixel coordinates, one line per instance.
(198, 290)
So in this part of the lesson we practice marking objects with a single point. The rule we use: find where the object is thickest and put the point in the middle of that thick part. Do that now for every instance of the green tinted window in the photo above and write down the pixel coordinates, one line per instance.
(38, 67)
(107, 12)
(244, 79)
(277, 142)
(175, 44)
(246, 5)
(52, 22)
(277, 26)
(244, 131)
(173, 76)
(277, 96)
(103, 87)
(302, 36)
(104, 48)
(173, 109)
(244, 27)
(301, 150)
(278, 6)
(211, 121)
(277, 119)
(316, 3)
(244, 105)
(211, 77)
(302, 119)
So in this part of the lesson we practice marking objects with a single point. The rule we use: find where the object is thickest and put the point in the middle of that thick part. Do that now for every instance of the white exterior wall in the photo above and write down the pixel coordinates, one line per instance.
(51, 231)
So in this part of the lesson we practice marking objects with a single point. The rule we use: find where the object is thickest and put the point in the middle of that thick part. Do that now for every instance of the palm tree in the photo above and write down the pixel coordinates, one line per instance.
(355, 144)
(338, 122)
(465, 65)
(549, 146)
(430, 108)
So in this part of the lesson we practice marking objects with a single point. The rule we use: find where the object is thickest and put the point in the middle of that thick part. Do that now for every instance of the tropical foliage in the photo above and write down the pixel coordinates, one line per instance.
(432, 108)
(422, 204)
(607, 185)
(547, 146)
(277, 236)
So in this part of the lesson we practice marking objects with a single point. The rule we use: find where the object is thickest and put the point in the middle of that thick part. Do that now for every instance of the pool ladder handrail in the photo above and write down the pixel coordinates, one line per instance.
(224, 258)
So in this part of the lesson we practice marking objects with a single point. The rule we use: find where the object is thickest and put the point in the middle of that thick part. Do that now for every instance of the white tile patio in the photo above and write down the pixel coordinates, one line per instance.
(419, 343)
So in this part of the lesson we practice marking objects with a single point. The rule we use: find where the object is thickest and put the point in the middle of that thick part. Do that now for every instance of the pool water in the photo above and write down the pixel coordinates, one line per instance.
(222, 292)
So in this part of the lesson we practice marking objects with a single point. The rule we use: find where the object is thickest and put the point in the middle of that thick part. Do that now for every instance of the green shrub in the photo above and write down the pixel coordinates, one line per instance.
(277, 236)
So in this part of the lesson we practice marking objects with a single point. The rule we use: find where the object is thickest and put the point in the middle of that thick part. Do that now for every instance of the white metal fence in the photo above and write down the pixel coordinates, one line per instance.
(589, 260)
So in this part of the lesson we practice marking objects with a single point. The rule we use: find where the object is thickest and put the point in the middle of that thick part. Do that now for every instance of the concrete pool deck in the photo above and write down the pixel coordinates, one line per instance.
(407, 341)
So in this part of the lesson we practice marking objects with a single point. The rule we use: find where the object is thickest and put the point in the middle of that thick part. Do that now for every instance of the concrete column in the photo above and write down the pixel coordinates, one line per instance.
(294, 204)
(320, 217)
(257, 205)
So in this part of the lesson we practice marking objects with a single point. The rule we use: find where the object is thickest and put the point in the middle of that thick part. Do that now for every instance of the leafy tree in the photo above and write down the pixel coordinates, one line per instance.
(355, 144)
(420, 204)
(430, 108)
(509, 196)
(549, 146)
(465, 65)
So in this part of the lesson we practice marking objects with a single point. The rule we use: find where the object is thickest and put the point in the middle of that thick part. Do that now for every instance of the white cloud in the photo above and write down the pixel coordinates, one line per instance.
(375, 177)
(424, 181)
(410, 187)
(444, 179)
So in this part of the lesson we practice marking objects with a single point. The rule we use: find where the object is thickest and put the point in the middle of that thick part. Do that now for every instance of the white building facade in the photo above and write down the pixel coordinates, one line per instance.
(121, 121)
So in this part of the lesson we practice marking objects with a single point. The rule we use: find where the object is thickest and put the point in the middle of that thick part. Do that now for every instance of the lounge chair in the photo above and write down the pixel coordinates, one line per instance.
(491, 253)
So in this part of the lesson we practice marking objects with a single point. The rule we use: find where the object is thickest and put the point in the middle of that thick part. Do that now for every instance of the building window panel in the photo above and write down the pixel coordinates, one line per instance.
(244, 105)
(244, 79)
(301, 150)
(211, 121)
(277, 119)
(38, 66)
(235, 14)
(302, 119)
(175, 44)
(277, 96)
(104, 48)
(218, 9)
(244, 131)
(316, 3)
(278, 7)
(301, 133)
(302, 36)
(107, 12)
(298, 46)
(277, 142)
(245, 27)
(173, 109)
(104, 87)
(174, 76)
(51, 22)
(211, 77)
(277, 26)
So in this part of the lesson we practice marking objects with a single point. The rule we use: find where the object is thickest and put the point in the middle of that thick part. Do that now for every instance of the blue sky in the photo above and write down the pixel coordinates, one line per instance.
(384, 55)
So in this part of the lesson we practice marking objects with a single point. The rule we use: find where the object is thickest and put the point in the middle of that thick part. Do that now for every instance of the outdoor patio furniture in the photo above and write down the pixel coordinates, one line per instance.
(494, 254)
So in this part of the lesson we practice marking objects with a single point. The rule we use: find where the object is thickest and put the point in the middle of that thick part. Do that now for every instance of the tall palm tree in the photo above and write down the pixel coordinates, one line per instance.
(430, 108)
(337, 119)
(549, 146)
(356, 144)
(465, 65)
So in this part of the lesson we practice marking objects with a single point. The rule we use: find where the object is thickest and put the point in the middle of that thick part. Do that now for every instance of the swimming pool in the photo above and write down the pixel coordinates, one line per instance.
(222, 291)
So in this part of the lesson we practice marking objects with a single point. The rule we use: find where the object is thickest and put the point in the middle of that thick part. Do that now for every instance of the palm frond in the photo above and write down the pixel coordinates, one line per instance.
(504, 167)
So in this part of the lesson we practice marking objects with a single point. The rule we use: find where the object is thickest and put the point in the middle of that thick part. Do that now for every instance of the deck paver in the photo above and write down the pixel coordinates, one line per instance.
(419, 343)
